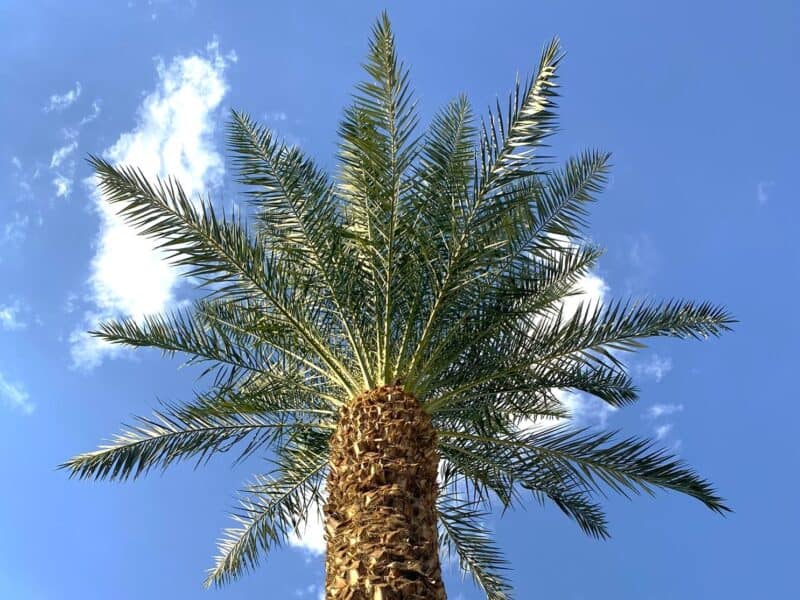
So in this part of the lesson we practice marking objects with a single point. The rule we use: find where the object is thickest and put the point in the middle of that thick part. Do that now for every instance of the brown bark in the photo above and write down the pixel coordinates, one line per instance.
(380, 517)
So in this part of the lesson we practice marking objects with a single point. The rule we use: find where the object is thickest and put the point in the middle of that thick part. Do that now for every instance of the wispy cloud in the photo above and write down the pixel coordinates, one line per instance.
(96, 108)
(643, 258)
(15, 230)
(10, 316)
(60, 154)
(654, 366)
(310, 591)
(17, 163)
(662, 431)
(62, 181)
(173, 136)
(62, 163)
(277, 115)
(762, 192)
(14, 396)
(661, 410)
(585, 410)
(59, 102)
(63, 185)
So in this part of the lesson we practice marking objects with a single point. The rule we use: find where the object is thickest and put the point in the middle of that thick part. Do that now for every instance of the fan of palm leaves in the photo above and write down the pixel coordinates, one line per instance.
(441, 260)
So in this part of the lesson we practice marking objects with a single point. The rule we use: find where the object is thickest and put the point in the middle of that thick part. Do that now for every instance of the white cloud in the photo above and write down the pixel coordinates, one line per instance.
(585, 410)
(173, 136)
(96, 107)
(276, 116)
(310, 536)
(59, 102)
(656, 367)
(310, 591)
(15, 230)
(63, 186)
(591, 289)
(662, 431)
(15, 397)
(762, 191)
(63, 179)
(16, 162)
(71, 133)
(645, 260)
(661, 410)
(10, 319)
(62, 153)
(62, 182)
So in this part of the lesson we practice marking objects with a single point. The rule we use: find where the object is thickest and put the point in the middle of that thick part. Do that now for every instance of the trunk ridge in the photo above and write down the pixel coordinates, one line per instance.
(380, 517)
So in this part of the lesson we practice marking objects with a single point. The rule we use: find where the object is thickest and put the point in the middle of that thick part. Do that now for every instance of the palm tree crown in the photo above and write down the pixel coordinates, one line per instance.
(436, 262)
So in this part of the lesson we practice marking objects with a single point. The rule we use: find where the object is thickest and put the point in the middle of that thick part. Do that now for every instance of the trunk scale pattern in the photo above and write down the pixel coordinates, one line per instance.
(380, 516)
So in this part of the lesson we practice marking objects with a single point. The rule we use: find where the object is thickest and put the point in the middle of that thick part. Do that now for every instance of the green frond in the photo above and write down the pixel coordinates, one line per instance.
(273, 507)
(218, 252)
(594, 330)
(560, 200)
(476, 473)
(498, 382)
(539, 242)
(180, 331)
(500, 450)
(299, 216)
(444, 175)
(602, 462)
(294, 200)
(248, 325)
(281, 394)
(377, 154)
(577, 505)
(172, 435)
(508, 146)
(463, 534)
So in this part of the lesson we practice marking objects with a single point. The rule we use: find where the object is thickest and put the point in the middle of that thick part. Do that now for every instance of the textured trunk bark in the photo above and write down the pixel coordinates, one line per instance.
(380, 517)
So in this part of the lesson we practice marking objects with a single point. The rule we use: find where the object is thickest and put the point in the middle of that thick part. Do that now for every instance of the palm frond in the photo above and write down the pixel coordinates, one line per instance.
(377, 153)
(508, 146)
(463, 534)
(299, 215)
(272, 508)
(541, 241)
(175, 434)
(598, 461)
(180, 331)
(217, 251)
(628, 465)
(593, 330)
(578, 506)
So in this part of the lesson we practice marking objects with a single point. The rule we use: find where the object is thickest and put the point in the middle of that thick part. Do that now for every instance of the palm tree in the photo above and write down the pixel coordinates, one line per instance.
(396, 340)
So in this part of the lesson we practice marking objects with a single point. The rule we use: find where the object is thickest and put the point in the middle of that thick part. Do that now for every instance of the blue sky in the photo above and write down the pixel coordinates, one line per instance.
(696, 100)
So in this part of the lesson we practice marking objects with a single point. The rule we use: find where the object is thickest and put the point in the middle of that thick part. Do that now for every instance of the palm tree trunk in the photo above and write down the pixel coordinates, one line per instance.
(380, 517)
